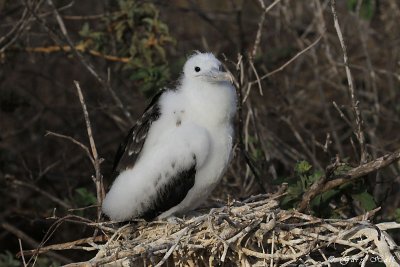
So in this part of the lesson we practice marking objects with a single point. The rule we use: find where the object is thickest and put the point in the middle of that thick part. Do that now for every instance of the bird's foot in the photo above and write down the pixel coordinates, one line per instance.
(174, 220)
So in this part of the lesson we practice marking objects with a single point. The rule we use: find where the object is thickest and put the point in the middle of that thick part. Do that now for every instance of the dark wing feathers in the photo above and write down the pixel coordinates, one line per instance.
(178, 186)
(172, 193)
(129, 151)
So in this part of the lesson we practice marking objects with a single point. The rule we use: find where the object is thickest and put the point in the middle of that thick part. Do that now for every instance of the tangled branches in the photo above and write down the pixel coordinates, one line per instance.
(254, 232)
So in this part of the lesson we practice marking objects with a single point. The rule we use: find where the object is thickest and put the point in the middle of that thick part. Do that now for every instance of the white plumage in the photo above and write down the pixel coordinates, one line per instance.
(176, 154)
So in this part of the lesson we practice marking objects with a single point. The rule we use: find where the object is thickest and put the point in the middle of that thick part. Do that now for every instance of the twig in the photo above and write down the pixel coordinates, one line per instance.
(289, 61)
(42, 192)
(98, 178)
(257, 77)
(300, 139)
(67, 245)
(21, 251)
(257, 41)
(73, 140)
(355, 103)
(59, 38)
(23, 236)
(171, 249)
(301, 238)
(259, 31)
(360, 171)
(324, 103)
(80, 47)
(239, 87)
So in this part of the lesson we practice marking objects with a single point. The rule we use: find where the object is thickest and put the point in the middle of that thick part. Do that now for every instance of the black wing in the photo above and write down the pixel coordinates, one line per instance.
(172, 193)
(130, 149)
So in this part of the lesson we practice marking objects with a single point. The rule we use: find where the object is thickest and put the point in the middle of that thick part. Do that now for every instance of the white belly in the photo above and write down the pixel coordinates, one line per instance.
(209, 175)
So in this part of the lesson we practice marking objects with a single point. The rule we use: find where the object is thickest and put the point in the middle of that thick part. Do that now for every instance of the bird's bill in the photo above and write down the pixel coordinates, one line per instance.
(218, 76)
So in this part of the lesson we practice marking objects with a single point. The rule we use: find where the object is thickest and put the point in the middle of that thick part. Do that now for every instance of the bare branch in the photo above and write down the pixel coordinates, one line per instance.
(24, 237)
(320, 186)
(355, 103)
(289, 61)
(98, 179)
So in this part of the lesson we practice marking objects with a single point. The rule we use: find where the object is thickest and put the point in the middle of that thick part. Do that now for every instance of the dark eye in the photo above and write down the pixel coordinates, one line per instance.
(197, 69)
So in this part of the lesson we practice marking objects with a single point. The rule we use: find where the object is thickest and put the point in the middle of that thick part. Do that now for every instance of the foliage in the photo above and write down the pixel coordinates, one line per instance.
(83, 198)
(133, 31)
(367, 8)
(397, 215)
(7, 259)
(305, 176)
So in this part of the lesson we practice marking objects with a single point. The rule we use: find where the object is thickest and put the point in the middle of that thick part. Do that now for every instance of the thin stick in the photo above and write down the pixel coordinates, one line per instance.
(354, 102)
(172, 248)
(22, 253)
(98, 179)
(64, 37)
(73, 140)
(42, 192)
(351, 175)
(289, 61)
(29, 240)
(257, 41)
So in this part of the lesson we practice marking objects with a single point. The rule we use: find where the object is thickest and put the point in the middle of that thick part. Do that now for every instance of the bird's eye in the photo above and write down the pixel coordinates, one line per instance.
(197, 69)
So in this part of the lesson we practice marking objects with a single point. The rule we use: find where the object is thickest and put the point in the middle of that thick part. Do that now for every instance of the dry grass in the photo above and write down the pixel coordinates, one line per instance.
(254, 232)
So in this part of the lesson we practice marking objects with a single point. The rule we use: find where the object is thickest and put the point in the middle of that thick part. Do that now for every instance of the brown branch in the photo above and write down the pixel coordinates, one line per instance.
(257, 41)
(225, 235)
(65, 246)
(63, 37)
(33, 243)
(42, 192)
(21, 251)
(321, 186)
(354, 102)
(73, 140)
(289, 61)
(80, 47)
(98, 178)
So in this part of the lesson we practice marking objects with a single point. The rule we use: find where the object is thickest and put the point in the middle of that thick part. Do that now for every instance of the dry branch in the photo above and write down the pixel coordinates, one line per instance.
(98, 178)
(80, 47)
(322, 185)
(255, 229)
(354, 102)
(31, 242)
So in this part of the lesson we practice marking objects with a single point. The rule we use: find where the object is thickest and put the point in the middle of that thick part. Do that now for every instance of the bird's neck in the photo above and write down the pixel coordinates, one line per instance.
(211, 103)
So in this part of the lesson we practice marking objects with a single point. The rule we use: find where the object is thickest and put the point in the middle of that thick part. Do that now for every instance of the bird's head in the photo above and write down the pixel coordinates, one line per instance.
(205, 67)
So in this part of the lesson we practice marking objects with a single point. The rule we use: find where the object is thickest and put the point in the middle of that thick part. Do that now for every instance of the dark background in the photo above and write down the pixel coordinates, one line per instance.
(136, 47)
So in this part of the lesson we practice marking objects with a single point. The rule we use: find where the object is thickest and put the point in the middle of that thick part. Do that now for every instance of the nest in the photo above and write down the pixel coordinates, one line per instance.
(255, 232)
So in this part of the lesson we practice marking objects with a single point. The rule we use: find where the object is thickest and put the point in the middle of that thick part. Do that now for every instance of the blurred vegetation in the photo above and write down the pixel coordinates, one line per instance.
(305, 176)
(8, 259)
(292, 131)
(133, 31)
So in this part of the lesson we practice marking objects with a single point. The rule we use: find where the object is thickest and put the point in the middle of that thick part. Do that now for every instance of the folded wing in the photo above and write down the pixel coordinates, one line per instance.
(162, 176)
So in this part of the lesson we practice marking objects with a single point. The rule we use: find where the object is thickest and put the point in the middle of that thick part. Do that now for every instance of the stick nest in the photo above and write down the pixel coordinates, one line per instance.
(255, 232)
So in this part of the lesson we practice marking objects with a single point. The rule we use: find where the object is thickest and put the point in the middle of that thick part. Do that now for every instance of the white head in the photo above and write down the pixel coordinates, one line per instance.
(205, 67)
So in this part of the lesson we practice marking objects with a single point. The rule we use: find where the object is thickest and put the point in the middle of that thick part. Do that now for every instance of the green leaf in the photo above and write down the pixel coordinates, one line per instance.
(302, 167)
(367, 9)
(367, 201)
(7, 259)
(84, 197)
(324, 198)
(85, 31)
(397, 215)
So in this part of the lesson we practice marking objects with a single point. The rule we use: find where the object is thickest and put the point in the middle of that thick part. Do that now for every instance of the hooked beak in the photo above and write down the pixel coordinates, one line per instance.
(218, 76)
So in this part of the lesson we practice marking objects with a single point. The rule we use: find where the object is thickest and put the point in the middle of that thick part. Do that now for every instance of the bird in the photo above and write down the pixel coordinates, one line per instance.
(177, 152)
